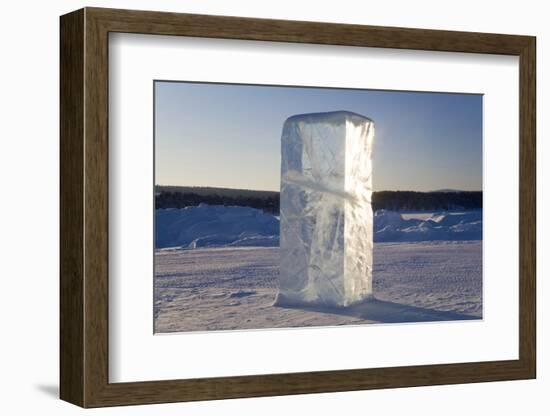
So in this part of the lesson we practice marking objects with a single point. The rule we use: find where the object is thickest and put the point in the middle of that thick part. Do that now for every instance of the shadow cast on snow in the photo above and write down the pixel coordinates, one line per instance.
(386, 312)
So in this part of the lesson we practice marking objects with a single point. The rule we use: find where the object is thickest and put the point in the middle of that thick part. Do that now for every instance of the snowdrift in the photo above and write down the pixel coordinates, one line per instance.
(235, 226)
(215, 226)
(390, 226)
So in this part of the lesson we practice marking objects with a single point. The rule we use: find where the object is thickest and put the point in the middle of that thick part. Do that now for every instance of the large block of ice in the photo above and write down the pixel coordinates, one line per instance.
(326, 215)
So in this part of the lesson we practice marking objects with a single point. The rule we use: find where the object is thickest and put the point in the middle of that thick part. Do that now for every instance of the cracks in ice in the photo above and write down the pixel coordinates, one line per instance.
(326, 214)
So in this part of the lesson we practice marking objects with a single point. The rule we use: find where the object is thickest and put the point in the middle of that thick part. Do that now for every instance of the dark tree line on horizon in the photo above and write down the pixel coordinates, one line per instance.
(181, 200)
(269, 201)
(427, 201)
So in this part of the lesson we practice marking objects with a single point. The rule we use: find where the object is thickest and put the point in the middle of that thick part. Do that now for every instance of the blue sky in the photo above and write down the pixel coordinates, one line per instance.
(227, 135)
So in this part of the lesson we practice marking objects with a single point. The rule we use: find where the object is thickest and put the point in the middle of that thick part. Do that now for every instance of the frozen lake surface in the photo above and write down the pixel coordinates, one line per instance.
(227, 288)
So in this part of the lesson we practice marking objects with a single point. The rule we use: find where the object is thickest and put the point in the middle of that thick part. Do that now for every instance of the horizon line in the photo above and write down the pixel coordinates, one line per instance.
(447, 190)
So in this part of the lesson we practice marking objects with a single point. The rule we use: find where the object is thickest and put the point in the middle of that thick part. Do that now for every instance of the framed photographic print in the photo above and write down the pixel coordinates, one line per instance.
(255, 207)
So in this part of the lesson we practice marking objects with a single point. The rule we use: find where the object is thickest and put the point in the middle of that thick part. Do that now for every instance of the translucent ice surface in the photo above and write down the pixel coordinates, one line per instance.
(326, 214)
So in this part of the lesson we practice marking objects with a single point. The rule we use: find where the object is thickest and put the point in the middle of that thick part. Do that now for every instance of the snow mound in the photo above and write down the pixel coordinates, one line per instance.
(390, 226)
(234, 226)
(215, 226)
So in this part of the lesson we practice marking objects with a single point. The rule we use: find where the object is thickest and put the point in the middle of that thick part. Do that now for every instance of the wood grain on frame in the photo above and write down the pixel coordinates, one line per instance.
(71, 218)
(84, 207)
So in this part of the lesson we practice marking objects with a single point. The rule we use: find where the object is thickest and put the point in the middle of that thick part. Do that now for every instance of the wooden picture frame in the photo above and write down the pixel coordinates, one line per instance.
(84, 207)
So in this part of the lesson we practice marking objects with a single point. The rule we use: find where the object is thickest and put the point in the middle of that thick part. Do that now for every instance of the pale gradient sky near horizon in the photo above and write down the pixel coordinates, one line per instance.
(228, 135)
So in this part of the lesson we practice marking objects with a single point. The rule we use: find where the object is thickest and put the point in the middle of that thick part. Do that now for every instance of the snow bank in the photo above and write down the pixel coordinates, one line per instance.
(215, 226)
(453, 226)
(234, 226)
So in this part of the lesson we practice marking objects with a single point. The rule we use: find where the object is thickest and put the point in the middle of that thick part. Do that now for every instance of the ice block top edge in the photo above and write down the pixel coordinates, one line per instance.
(331, 116)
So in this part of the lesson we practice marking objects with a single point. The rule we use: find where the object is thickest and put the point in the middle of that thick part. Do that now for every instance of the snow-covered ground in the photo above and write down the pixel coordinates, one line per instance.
(216, 268)
(215, 226)
(234, 288)
(432, 226)
(234, 226)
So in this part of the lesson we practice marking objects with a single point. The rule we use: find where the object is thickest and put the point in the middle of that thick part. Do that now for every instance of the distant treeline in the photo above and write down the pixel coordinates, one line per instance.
(427, 201)
(268, 201)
